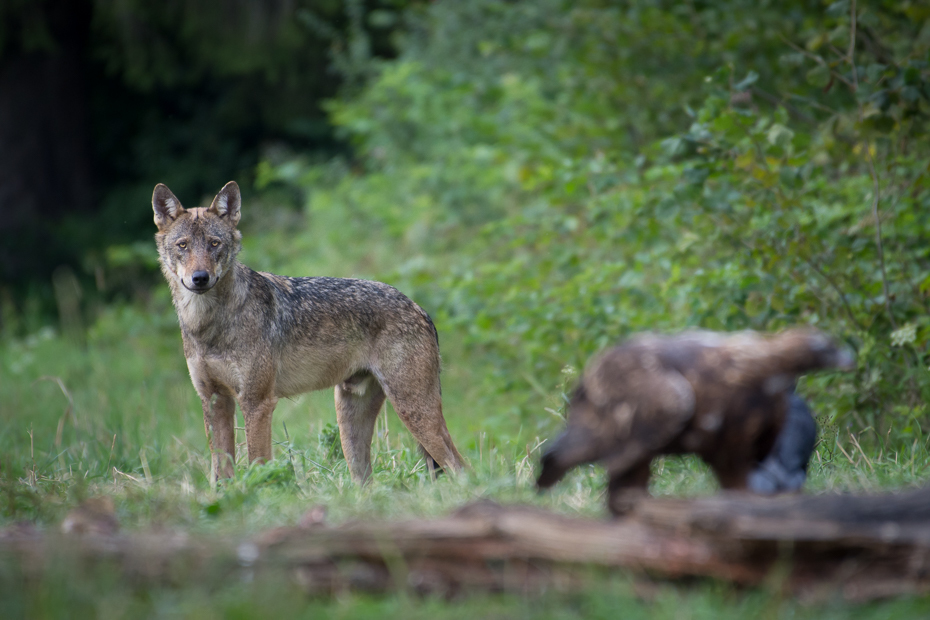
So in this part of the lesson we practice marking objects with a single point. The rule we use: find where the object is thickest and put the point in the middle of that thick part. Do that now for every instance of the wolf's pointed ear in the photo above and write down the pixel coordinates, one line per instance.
(166, 206)
(227, 202)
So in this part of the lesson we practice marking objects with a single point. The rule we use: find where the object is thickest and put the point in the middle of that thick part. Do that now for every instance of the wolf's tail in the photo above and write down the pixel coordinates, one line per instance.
(429, 320)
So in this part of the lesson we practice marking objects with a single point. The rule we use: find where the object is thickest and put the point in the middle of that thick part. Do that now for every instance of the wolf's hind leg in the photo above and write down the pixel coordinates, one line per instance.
(358, 401)
(219, 420)
(419, 406)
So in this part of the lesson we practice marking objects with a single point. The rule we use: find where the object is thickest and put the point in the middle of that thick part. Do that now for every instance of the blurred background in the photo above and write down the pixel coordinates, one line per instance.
(99, 99)
(543, 177)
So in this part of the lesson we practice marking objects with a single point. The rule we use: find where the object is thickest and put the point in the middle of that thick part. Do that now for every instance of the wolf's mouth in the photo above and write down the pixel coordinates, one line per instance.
(200, 282)
(200, 290)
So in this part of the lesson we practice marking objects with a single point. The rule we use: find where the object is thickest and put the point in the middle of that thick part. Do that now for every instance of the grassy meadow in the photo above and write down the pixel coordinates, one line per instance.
(544, 178)
(109, 410)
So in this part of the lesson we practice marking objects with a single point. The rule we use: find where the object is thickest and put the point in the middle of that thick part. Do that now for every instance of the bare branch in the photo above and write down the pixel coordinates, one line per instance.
(852, 317)
(878, 234)
(820, 61)
(876, 187)
(852, 43)
(792, 110)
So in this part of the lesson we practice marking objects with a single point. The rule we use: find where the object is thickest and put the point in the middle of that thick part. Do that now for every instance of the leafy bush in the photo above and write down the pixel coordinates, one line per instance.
(572, 173)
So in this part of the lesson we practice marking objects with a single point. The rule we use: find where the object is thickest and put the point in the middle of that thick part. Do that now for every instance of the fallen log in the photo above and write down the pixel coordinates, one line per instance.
(866, 546)
(863, 547)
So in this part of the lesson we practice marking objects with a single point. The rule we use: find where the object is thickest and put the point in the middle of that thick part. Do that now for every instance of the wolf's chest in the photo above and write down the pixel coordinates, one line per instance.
(215, 372)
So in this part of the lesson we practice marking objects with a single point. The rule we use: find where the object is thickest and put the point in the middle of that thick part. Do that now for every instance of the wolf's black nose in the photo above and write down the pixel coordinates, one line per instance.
(200, 278)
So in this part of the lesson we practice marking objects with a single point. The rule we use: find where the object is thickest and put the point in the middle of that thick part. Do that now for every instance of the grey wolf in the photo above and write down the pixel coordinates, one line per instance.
(252, 337)
(722, 397)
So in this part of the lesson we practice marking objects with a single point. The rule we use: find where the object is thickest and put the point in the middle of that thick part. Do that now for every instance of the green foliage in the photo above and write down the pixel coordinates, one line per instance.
(544, 178)
(330, 442)
(576, 173)
(188, 93)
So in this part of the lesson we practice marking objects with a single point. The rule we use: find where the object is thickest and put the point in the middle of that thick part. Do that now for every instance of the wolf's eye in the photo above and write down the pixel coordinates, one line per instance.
(214, 243)
(182, 245)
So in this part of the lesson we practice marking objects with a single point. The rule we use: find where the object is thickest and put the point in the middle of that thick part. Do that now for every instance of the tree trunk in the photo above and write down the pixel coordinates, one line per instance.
(45, 149)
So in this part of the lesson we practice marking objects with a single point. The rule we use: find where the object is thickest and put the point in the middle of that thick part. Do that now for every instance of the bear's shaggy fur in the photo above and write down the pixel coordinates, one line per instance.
(723, 397)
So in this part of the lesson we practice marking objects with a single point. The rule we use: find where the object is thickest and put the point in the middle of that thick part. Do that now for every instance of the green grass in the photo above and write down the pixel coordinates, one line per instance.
(111, 411)
(116, 414)
(105, 595)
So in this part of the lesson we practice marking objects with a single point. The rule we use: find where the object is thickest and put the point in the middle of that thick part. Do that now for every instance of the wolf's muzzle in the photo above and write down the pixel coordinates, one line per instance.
(200, 282)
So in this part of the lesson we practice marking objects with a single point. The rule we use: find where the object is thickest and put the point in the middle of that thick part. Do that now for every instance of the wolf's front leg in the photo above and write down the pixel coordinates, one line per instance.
(219, 420)
(257, 414)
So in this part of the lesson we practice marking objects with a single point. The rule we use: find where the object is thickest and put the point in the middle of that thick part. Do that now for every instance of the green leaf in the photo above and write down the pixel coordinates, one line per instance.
(838, 9)
(881, 123)
(819, 76)
(905, 335)
(750, 79)
(779, 135)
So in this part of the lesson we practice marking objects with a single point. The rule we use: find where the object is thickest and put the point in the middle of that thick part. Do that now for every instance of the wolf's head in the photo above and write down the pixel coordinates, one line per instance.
(197, 246)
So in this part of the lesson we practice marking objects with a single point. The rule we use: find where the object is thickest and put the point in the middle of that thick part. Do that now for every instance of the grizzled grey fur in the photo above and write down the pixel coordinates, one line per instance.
(255, 337)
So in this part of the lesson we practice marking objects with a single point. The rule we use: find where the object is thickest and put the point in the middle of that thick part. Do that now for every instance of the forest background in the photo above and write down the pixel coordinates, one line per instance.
(543, 177)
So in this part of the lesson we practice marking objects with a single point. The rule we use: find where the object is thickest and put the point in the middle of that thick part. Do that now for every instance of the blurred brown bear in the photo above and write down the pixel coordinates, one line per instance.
(723, 397)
